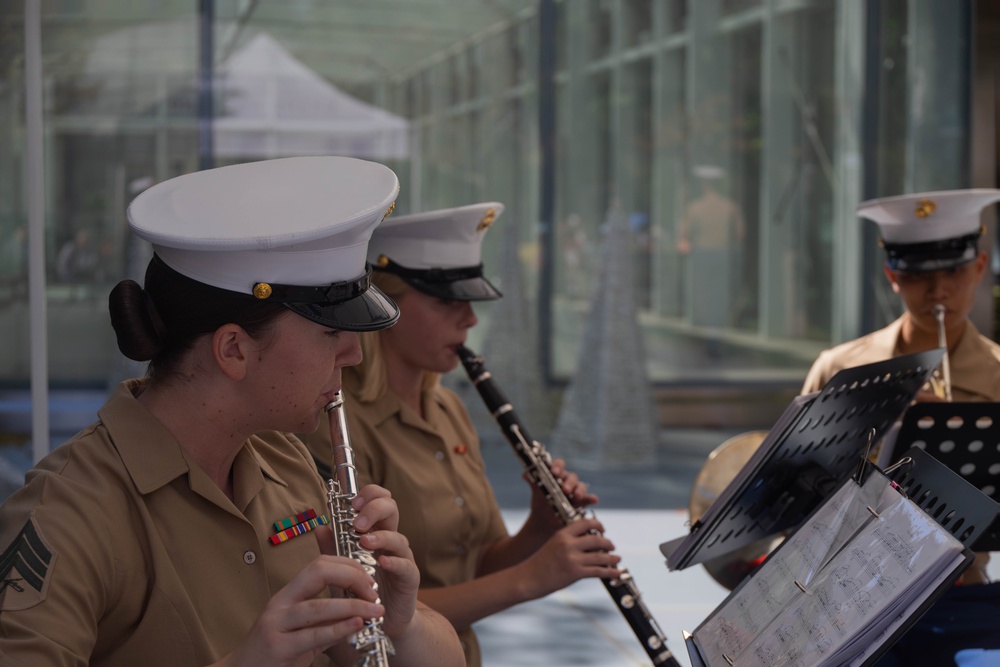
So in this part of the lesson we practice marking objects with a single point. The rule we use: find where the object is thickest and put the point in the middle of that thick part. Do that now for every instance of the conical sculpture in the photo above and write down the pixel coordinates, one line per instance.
(607, 420)
(510, 347)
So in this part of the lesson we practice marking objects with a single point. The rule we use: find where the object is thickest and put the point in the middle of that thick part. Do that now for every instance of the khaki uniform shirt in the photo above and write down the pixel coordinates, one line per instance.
(435, 471)
(974, 363)
(118, 551)
(975, 377)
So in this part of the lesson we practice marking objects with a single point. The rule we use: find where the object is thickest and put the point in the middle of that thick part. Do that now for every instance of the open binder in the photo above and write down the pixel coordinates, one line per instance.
(815, 445)
(862, 568)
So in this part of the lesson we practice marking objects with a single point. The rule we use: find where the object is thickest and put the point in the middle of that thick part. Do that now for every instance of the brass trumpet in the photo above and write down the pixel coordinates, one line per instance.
(942, 386)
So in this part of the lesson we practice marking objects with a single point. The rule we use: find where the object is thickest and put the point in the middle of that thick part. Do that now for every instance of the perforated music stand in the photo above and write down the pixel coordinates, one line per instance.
(818, 442)
(944, 496)
(965, 437)
(961, 508)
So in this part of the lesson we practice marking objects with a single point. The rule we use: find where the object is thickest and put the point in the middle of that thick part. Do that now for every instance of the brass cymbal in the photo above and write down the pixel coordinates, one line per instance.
(720, 468)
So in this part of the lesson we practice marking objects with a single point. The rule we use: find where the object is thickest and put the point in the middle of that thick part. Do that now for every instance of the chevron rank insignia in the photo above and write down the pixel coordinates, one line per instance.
(25, 569)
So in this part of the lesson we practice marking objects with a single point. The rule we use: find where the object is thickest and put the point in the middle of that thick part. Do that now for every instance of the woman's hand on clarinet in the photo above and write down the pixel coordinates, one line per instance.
(574, 489)
(543, 517)
(577, 551)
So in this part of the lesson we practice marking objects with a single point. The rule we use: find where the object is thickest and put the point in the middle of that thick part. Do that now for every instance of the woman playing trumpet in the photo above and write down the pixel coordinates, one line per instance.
(934, 264)
(932, 261)
(157, 535)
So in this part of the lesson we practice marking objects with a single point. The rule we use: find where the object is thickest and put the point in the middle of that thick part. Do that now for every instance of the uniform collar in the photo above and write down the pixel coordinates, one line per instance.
(884, 341)
(154, 458)
(389, 406)
(970, 371)
(148, 449)
(966, 360)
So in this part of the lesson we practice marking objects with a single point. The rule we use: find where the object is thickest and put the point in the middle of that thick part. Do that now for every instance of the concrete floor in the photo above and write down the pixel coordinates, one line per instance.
(581, 625)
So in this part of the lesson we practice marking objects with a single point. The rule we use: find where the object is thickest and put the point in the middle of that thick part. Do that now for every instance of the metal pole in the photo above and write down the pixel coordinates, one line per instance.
(35, 175)
(869, 140)
(206, 59)
(547, 140)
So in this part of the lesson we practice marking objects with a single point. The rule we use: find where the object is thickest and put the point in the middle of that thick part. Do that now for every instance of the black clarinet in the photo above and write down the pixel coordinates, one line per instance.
(538, 466)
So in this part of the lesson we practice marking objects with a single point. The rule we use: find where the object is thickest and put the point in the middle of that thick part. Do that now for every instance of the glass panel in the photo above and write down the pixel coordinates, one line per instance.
(735, 6)
(601, 22)
(677, 16)
(729, 113)
(638, 21)
(14, 317)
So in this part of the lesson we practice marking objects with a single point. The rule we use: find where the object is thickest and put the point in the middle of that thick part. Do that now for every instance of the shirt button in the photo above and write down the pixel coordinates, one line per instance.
(439, 455)
(249, 557)
(459, 500)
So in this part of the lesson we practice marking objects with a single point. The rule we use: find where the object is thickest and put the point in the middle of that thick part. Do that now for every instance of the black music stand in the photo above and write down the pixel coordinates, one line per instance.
(961, 509)
(965, 437)
(811, 450)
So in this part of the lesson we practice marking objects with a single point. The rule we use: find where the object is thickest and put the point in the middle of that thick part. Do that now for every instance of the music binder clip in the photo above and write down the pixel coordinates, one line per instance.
(906, 460)
(859, 477)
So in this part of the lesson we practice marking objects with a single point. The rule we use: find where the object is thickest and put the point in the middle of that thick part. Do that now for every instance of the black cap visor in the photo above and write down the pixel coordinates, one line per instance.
(351, 305)
(458, 284)
(932, 256)
(466, 289)
(370, 311)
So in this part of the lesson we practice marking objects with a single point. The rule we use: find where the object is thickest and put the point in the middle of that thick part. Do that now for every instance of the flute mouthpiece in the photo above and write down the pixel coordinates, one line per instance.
(337, 401)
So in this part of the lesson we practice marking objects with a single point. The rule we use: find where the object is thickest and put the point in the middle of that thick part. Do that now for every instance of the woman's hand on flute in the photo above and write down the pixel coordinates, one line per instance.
(297, 625)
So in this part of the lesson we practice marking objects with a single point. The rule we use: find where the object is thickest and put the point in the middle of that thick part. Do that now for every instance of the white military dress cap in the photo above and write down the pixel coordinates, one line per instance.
(293, 230)
(930, 231)
(438, 252)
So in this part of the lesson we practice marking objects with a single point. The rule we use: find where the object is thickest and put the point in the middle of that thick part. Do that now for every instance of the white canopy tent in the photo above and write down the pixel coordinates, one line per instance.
(271, 105)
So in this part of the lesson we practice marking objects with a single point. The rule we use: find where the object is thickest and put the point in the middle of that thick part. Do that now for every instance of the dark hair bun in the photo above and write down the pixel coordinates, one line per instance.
(140, 333)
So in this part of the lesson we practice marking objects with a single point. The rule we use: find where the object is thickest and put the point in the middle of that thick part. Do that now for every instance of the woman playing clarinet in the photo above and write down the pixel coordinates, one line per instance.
(415, 438)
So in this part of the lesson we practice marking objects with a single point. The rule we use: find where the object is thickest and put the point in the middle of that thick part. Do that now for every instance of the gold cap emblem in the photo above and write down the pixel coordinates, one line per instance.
(383, 261)
(925, 207)
(388, 211)
(262, 290)
(488, 218)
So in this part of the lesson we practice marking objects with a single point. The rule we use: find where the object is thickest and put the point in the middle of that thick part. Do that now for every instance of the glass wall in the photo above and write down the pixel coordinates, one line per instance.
(712, 128)
(728, 141)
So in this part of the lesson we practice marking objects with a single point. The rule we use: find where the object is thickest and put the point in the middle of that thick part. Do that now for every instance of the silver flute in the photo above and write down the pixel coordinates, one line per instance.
(371, 643)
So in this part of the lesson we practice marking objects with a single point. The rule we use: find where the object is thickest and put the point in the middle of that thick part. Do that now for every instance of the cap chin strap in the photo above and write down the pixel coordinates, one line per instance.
(435, 275)
(334, 293)
(932, 255)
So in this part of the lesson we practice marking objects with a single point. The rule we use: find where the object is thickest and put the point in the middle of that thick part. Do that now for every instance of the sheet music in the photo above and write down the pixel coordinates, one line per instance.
(836, 584)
